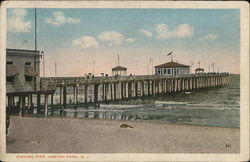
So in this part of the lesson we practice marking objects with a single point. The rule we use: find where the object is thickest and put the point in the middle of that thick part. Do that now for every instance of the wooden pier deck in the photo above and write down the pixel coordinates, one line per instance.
(99, 90)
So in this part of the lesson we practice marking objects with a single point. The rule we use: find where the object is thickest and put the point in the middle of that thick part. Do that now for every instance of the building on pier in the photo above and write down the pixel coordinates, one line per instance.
(22, 70)
(172, 68)
(23, 81)
(199, 71)
(119, 71)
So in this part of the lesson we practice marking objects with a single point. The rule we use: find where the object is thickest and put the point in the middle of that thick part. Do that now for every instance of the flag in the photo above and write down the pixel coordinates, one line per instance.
(170, 53)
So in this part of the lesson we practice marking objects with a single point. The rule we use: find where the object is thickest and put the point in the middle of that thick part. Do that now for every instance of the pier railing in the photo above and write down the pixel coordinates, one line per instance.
(62, 81)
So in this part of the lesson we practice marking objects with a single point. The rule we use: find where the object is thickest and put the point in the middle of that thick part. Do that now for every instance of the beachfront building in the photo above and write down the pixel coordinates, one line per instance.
(119, 71)
(23, 82)
(22, 70)
(172, 68)
(199, 71)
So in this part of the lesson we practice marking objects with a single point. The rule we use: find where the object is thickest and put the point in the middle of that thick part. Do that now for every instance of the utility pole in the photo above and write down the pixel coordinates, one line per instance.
(55, 70)
(93, 67)
(152, 63)
(43, 63)
(213, 67)
(148, 68)
(35, 32)
(118, 57)
(191, 64)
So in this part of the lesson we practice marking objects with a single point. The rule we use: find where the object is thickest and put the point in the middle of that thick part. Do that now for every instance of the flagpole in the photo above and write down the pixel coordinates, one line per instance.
(118, 60)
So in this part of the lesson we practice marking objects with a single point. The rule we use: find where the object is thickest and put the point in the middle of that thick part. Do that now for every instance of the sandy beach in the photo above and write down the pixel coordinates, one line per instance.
(74, 135)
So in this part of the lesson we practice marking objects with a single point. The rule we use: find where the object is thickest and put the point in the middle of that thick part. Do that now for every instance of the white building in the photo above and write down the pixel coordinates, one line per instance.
(171, 68)
(119, 71)
(199, 71)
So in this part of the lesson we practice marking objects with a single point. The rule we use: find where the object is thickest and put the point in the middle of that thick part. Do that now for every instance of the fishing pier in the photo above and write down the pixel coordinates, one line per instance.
(105, 90)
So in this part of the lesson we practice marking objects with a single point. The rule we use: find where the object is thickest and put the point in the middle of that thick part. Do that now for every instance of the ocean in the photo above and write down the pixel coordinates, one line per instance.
(210, 107)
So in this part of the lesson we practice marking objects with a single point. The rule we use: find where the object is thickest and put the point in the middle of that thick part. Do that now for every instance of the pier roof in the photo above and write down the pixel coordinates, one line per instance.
(171, 64)
(199, 69)
(119, 68)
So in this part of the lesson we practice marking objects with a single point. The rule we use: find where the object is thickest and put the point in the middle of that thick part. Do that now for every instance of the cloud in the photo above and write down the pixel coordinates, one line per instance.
(113, 37)
(209, 37)
(16, 21)
(86, 42)
(146, 33)
(72, 20)
(163, 32)
(130, 40)
(182, 31)
(59, 19)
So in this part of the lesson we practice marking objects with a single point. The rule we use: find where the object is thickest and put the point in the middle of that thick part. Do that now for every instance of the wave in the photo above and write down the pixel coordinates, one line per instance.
(171, 102)
(204, 108)
(92, 110)
(119, 106)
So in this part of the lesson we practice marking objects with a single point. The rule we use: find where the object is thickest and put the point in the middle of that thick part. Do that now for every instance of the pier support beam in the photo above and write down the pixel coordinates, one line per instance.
(136, 89)
(129, 89)
(52, 103)
(148, 88)
(86, 93)
(121, 91)
(115, 90)
(23, 105)
(64, 99)
(38, 100)
(142, 88)
(45, 105)
(96, 93)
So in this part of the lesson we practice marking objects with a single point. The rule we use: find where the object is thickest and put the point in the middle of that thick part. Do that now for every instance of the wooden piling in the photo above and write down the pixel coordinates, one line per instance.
(52, 103)
(64, 99)
(46, 105)
(115, 90)
(96, 93)
(86, 93)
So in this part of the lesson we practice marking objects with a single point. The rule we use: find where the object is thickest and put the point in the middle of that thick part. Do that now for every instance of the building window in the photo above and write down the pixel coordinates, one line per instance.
(9, 62)
(28, 78)
(165, 71)
(178, 71)
(27, 63)
(159, 71)
(169, 72)
(10, 78)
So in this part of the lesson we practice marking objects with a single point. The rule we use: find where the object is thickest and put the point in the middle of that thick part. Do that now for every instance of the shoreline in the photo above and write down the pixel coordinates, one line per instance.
(143, 121)
(81, 135)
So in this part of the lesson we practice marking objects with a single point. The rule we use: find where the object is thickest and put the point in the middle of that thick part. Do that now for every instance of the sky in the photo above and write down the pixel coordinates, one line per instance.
(84, 41)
